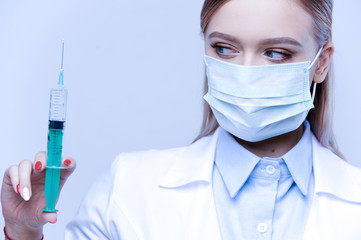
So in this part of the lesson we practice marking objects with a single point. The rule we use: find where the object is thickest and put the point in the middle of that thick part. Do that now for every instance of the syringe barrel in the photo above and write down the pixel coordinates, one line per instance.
(58, 99)
(57, 117)
(52, 175)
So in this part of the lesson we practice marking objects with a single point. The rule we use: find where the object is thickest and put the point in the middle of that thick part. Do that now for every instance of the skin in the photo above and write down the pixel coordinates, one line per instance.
(264, 32)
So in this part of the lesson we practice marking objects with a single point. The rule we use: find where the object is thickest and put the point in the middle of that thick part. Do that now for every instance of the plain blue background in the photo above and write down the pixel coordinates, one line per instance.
(134, 71)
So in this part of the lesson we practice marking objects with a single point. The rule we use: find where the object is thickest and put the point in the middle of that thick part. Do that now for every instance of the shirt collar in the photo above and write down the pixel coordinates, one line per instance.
(299, 160)
(235, 163)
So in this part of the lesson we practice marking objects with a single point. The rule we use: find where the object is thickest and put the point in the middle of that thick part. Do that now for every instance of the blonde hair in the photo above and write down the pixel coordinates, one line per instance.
(320, 117)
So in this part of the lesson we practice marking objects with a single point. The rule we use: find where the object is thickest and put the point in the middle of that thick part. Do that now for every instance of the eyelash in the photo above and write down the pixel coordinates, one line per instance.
(286, 56)
(217, 47)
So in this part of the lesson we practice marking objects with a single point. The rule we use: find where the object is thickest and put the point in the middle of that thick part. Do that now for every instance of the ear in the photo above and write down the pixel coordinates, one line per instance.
(324, 62)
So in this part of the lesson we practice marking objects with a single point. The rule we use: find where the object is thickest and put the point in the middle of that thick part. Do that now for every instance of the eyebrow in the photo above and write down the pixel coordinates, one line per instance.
(281, 40)
(268, 41)
(223, 36)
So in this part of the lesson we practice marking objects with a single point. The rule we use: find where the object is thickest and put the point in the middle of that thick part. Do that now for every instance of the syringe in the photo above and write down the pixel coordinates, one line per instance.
(57, 117)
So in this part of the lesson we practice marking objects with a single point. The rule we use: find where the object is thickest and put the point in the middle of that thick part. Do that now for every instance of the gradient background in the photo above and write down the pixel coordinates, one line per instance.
(134, 72)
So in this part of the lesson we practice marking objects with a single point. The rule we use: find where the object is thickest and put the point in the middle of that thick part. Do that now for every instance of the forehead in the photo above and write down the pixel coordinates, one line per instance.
(258, 19)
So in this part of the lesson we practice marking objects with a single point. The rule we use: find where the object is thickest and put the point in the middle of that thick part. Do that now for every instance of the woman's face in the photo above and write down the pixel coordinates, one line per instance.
(261, 32)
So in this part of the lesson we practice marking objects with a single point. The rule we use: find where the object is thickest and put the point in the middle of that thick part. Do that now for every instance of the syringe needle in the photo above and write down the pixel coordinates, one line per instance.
(62, 56)
(61, 76)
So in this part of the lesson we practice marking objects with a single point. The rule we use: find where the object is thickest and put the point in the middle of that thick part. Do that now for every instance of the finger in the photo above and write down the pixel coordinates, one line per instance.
(13, 173)
(25, 168)
(49, 217)
(70, 164)
(39, 162)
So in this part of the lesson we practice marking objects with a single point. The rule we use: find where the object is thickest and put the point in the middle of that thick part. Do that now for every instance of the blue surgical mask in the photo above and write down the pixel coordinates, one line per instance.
(255, 103)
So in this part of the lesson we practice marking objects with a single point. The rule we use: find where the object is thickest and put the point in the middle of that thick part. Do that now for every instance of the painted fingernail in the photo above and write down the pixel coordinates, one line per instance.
(67, 162)
(38, 165)
(18, 188)
(26, 193)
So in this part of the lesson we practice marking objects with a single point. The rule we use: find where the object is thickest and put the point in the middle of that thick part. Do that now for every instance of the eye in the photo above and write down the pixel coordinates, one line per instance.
(277, 56)
(225, 52)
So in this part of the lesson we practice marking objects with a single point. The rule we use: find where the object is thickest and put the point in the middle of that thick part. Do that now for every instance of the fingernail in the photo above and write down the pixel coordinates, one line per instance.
(67, 162)
(26, 193)
(54, 221)
(38, 165)
(18, 188)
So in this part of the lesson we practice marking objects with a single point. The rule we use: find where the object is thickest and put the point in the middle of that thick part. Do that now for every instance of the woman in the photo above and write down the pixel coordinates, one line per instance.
(270, 171)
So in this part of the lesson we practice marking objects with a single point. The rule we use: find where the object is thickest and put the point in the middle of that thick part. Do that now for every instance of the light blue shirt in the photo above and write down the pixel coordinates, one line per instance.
(262, 198)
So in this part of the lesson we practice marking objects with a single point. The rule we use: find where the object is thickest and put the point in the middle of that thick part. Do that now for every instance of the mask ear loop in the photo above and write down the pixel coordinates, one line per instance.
(314, 91)
(315, 59)
(205, 61)
(309, 67)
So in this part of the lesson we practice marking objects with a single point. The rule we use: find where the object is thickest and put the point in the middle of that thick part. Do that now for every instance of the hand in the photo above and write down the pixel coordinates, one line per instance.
(22, 197)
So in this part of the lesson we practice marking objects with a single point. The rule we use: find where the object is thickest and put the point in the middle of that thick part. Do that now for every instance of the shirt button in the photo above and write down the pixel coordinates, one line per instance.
(262, 227)
(270, 169)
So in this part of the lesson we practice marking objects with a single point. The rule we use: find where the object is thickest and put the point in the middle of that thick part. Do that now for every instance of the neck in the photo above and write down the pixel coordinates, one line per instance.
(274, 147)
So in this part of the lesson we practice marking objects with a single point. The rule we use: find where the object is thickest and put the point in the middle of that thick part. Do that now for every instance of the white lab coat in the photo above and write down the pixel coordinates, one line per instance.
(167, 195)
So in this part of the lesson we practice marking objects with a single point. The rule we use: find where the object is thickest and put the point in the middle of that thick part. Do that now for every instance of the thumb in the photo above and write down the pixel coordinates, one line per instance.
(49, 217)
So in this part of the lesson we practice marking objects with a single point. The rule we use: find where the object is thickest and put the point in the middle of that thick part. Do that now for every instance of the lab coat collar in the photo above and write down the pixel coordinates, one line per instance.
(332, 175)
(194, 164)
